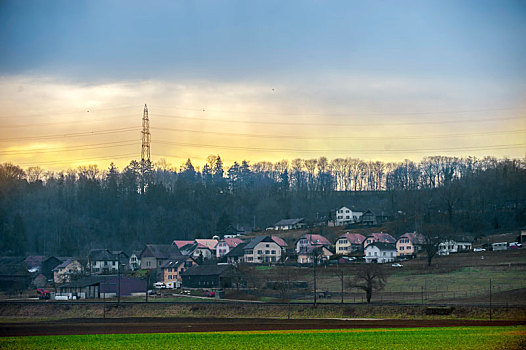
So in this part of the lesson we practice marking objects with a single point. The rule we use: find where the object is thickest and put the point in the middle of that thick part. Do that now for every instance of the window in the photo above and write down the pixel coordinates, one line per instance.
(347, 211)
(260, 252)
(267, 251)
(273, 252)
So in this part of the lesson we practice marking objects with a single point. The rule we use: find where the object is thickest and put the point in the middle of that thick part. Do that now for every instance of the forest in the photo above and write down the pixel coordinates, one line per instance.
(70, 212)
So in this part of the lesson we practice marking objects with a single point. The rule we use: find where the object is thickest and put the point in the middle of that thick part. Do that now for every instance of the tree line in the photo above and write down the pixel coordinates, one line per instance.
(69, 212)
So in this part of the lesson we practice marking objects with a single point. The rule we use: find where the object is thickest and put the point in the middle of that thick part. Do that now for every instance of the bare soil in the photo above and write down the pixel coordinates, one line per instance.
(176, 325)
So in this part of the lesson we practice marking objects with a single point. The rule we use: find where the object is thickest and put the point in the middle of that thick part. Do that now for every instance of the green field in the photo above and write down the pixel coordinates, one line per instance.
(393, 338)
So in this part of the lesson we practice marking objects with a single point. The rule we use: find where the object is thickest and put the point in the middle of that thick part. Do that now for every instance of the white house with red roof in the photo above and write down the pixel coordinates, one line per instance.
(378, 237)
(349, 243)
(309, 241)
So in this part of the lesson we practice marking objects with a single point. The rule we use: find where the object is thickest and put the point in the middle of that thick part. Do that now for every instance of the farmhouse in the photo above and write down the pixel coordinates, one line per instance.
(63, 272)
(209, 276)
(154, 255)
(262, 249)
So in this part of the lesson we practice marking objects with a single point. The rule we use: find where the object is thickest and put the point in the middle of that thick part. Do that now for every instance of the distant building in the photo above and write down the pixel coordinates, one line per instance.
(209, 276)
(309, 241)
(225, 245)
(262, 249)
(409, 244)
(378, 237)
(306, 256)
(378, 252)
(368, 218)
(345, 216)
(290, 224)
(455, 245)
(154, 255)
(63, 272)
(349, 243)
(172, 269)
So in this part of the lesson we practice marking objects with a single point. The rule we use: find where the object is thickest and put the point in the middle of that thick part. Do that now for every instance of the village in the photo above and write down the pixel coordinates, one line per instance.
(274, 264)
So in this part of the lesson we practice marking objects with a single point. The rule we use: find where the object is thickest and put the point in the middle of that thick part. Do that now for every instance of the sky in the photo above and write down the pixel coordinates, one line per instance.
(260, 80)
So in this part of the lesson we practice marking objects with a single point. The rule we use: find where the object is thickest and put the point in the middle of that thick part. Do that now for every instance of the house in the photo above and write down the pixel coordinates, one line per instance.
(378, 237)
(308, 241)
(237, 254)
(63, 272)
(345, 216)
(205, 250)
(14, 275)
(262, 249)
(225, 245)
(409, 244)
(368, 218)
(154, 255)
(209, 276)
(102, 261)
(135, 260)
(289, 224)
(172, 269)
(349, 243)
(181, 244)
(379, 252)
(306, 256)
(455, 245)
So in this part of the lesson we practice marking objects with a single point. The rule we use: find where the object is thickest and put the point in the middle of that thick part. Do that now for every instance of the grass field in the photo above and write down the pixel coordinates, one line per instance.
(399, 338)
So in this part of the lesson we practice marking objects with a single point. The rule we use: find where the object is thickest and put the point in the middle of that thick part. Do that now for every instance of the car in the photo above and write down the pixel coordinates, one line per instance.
(209, 294)
(514, 245)
(397, 265)
(159, 285)
(479, 249)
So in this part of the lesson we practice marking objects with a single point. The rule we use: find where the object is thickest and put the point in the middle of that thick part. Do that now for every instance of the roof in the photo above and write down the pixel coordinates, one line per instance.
(160, 251)
(255, 241)
(174, 262)
(207, 243)
(34, 260)
(64, 264)
(280, 241)
(85, 282)
(382, 237)
(382, 246)
(101, 255)
(354, 238)
(232, 242)
(207, 270)
(414, 237)
(310, 250)
(237, 251)
(286, 222)
(316, 239)
(188, 249)
(180, 244)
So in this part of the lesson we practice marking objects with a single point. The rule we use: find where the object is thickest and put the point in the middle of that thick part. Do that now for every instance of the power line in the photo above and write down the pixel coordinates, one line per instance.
(455, 121)
(349, 113)
(340, 137)
(509, 146)
(76, 134)
(55, 162)
(72, 148)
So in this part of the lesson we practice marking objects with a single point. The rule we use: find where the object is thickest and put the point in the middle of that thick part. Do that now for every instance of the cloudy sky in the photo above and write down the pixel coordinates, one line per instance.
(261, 80)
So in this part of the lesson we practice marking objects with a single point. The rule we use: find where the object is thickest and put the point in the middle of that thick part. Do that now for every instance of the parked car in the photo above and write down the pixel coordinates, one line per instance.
(479, 249)
(514, 245)
(43, 294)
(397, 265)
(209, 294)
(159, 285)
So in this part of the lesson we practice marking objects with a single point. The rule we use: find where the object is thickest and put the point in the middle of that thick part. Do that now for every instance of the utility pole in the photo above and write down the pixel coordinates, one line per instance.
(490, 299)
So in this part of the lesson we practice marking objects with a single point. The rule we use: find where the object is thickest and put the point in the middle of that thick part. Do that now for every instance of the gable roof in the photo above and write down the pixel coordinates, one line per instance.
(354, 238)
(34, 260)
(65, 264)
(207, 243)
(254, 242)
(160, 251)
(286, 222)
(382, 237)
(382, 246)
(280, 241)
(414, 237)
(316, 239)
(232, 242)
(238, 251)
(208, 270)
(174, 262)
(101, 255)
(180, 244)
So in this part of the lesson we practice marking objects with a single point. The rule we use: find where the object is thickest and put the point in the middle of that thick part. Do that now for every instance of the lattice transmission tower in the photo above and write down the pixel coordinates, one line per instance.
(145, 150)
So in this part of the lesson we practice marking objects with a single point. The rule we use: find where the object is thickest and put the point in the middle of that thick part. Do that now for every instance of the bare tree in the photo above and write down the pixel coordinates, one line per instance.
(369, 278)
(433, 234)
